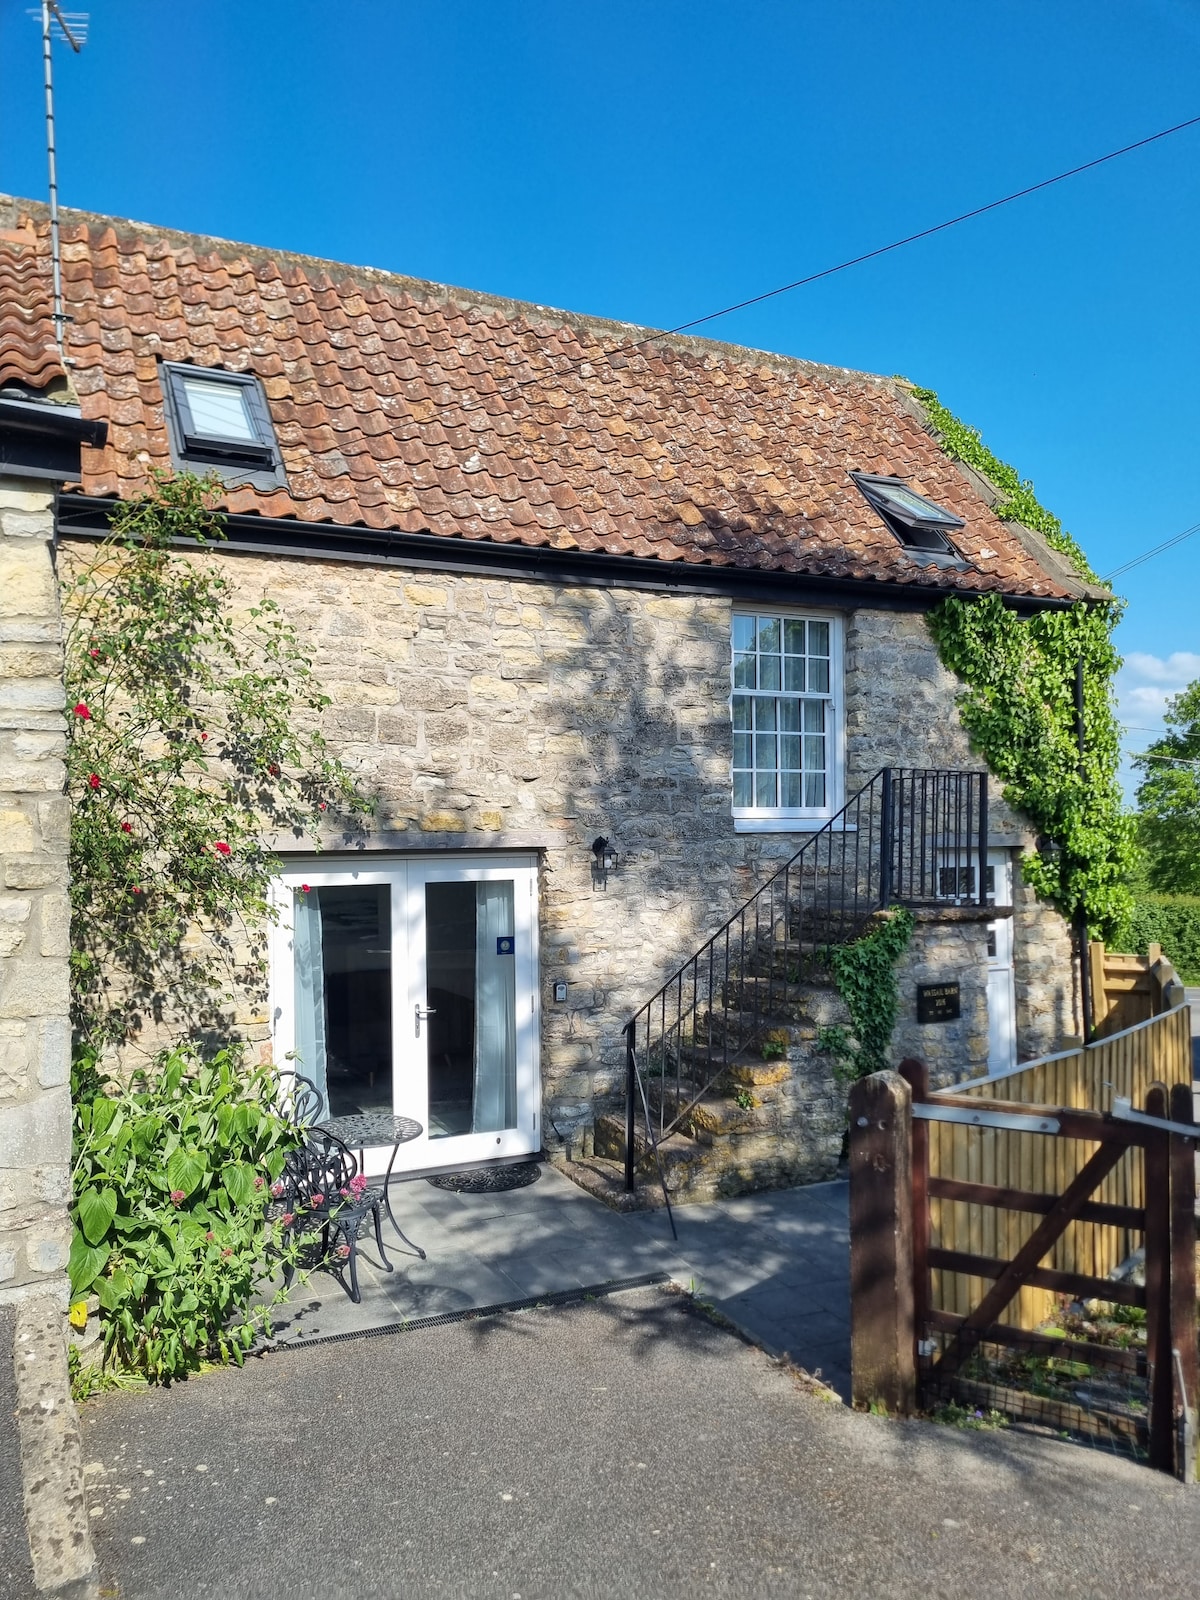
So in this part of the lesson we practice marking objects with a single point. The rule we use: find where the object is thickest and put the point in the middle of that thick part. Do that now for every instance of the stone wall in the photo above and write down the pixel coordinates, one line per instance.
(492, 713)
(35, 1113)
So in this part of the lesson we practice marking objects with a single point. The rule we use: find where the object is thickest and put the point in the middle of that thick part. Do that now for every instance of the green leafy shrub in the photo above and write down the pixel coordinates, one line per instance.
(171, 1181)
(1171, 920)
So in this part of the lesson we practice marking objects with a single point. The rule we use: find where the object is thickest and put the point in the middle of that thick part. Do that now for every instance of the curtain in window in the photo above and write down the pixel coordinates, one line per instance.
(307, 946)
(495, 1087)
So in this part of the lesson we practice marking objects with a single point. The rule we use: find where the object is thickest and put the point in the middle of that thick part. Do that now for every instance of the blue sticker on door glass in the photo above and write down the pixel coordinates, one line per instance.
(505, 944)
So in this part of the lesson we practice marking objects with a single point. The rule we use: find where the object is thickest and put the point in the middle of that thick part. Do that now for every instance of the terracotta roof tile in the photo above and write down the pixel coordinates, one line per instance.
(28, 351)
(425, 409)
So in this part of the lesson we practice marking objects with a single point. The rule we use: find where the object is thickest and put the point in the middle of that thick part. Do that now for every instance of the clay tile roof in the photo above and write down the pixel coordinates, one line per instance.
(28, 351)
(420, 408)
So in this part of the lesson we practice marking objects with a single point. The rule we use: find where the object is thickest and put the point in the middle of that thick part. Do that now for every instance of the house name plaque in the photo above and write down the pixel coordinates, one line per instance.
(938, 1002)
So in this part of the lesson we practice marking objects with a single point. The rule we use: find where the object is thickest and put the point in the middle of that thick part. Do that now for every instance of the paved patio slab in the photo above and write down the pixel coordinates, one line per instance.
(776, 1264)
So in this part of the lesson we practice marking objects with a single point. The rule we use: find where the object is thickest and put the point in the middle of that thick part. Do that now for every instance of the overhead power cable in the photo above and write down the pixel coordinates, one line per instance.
(940, 227)
(545, 379)
(1167, 544)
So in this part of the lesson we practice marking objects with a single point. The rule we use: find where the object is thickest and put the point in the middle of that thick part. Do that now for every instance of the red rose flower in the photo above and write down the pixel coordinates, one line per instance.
(82, 712)
(221, 848)
(303, 888)
(203, 736)
(93, 780)
(127, 827)
(321, 806)
(93, 654)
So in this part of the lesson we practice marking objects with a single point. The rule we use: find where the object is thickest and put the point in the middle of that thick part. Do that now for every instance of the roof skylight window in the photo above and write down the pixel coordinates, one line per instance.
(220, 419)
(918, 523)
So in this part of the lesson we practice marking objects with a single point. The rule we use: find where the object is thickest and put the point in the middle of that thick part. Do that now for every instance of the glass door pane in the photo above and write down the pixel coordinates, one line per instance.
(342, 953)
(470, 992)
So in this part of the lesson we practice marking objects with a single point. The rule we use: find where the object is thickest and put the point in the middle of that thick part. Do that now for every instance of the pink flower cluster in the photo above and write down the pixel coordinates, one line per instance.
(178, 1196)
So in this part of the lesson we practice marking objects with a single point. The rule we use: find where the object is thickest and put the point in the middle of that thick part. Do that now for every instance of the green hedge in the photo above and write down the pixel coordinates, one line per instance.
(1171, 920)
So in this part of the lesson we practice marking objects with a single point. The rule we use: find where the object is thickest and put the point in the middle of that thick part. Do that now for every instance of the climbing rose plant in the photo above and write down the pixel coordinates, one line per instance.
(193, 738)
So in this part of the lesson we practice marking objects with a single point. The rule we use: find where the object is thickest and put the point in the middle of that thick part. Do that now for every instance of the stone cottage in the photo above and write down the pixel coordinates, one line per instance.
(612, 623)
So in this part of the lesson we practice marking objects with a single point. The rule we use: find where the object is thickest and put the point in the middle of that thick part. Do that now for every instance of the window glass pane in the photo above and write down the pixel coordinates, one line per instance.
(818, 675)
(793, 673)
(814, 716)
(790, 790)
(789, 715)
(764, 715)
(764, 752)
(768, 635)
(793, 636)
(741, 711)
(768, 672)
(814, 789)
(743, 672)
(814, 754)
(742, 789)
(741, 750)
(764, 789)
(818, 638)
(789, 752)
(743, 633)
(219, 410)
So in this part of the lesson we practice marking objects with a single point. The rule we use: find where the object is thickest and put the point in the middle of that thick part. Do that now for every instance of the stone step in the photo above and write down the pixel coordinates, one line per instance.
(741, 1160)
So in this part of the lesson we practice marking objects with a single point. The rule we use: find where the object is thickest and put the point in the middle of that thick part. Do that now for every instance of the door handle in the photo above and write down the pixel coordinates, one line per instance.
(420, 1012)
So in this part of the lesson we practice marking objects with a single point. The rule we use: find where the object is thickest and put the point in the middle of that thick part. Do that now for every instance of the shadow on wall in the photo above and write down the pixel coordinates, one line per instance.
(643, 699)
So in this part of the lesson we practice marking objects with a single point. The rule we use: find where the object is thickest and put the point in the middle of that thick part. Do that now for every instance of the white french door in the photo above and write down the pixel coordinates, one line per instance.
(959, 880)
(410, 986)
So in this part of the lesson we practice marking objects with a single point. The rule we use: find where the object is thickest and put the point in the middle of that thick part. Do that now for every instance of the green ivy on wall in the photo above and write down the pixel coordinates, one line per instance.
(1019, 504)
(1019, 707)
(865, 974)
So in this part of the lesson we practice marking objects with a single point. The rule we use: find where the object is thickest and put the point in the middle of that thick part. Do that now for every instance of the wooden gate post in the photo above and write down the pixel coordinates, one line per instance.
(1183, 1286)
(1159, 1361)
(882, 1327)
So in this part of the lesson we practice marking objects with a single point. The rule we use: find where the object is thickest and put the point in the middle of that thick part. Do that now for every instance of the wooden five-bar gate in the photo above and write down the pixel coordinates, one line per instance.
(977, 1212)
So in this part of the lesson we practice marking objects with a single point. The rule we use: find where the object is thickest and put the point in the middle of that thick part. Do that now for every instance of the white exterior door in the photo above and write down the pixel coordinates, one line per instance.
(1001, 990)
(959, 880)
(411, 986)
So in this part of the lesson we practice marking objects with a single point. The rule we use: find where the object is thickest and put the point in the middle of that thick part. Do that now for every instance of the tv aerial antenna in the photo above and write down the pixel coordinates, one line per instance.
(73, 27)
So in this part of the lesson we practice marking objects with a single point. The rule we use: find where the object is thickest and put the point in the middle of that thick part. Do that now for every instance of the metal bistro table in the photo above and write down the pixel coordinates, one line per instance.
(366, 1128)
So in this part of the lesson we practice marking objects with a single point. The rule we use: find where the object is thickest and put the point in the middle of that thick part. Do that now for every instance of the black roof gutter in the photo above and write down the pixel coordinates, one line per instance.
(42, 439)
(87, 516)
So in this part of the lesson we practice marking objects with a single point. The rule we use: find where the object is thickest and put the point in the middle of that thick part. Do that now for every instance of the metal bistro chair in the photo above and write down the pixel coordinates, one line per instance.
(317, 1194)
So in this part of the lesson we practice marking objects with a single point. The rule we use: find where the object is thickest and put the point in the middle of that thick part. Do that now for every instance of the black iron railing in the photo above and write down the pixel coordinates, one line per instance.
(910, 836)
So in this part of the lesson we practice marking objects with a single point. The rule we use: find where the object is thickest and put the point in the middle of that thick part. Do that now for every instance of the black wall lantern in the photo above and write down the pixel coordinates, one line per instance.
(604, 859)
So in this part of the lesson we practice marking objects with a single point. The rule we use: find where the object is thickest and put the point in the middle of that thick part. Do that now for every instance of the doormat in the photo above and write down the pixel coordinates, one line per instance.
(489, 1180)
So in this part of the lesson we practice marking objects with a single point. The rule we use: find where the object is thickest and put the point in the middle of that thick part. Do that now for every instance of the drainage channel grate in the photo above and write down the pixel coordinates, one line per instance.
(560, 1297)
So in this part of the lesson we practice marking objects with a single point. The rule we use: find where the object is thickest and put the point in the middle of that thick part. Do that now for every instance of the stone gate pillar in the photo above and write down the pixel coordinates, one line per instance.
(35, 1108)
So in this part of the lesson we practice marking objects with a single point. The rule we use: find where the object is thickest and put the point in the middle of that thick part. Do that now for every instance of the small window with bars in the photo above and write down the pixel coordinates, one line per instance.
(783, 714)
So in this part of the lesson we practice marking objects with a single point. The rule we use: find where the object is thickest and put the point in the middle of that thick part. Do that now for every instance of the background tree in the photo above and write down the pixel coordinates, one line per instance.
(193, 738)
(1169, 799)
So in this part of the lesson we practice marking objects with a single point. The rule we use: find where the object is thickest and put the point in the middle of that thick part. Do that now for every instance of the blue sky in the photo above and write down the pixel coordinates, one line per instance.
(653, 160)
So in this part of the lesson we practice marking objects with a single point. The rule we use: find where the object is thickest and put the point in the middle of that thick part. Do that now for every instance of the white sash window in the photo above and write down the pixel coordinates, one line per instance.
(787, 719)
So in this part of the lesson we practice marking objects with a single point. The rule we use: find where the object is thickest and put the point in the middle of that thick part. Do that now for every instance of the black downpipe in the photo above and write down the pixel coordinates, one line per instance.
(1081, 927)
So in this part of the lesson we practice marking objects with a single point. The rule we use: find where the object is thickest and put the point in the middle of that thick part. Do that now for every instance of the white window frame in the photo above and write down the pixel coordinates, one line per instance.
(802, 819)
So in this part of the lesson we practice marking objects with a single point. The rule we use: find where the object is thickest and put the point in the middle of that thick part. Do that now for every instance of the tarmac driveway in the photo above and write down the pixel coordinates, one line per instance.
(620, 1447)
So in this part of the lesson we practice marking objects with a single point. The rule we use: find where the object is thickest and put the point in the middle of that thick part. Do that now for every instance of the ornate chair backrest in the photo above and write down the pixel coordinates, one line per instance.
(308, 1103)
(320, 1166)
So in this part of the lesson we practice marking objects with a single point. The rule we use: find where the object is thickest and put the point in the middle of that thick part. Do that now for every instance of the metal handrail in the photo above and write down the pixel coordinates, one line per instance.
(910, 836)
